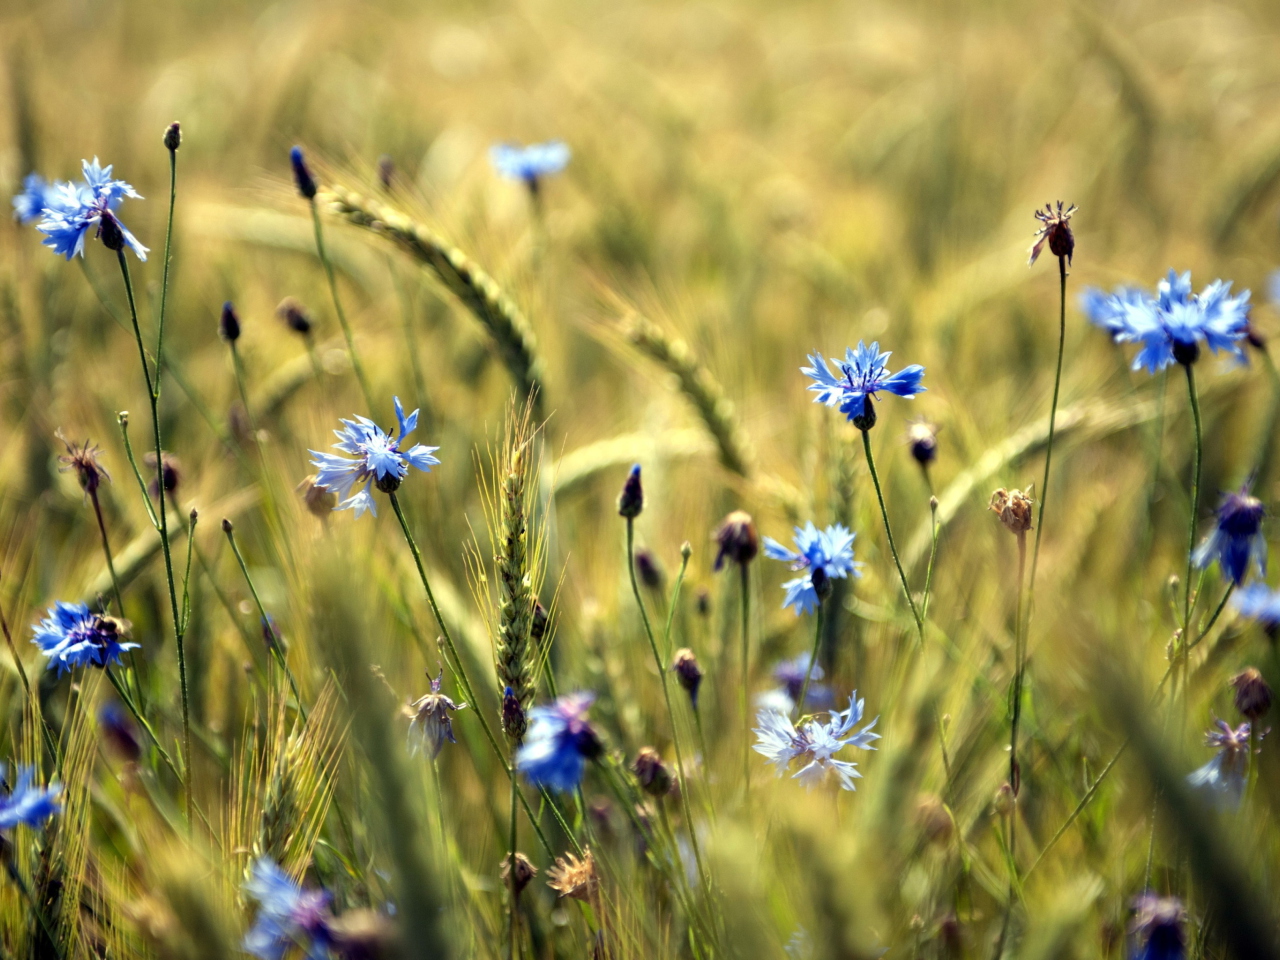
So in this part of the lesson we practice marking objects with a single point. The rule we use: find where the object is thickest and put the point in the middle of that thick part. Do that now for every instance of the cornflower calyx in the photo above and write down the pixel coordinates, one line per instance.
(1014, 509)
(1055, 229)
(863, 374)
(631, 500)
(229, 323)
(651, 773)
(737, 539)
(685, 666)
(302, 177)
(1252, 694)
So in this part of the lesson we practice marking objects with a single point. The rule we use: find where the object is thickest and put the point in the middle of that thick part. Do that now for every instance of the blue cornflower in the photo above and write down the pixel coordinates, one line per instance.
(1222, 779)
(1259, 602)
(863, 374)
(559, 744)
(1158, 928)
(1171, 325)
(1237, 537)
(829, 550)
(817, 743)
(288, 915)
(71, 209)
(529, 164)
(73, 636)
(379, 459)
(30, 204)
(26, 803)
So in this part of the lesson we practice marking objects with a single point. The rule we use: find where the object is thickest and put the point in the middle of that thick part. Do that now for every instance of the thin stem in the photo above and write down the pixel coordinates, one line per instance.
(1019, 658)
(666, 696)
(238, 366)
(671, 609)
(1195, 494)
(745, 694)
(933, 556)
(1053, 414)
(884, 513)
(813, 659)
(337, 305)
(123, 418)
(168, 256)
(153, 396)
(115, 586)
(17, 662)
(142, 721)
(37, 909)
(511, 872)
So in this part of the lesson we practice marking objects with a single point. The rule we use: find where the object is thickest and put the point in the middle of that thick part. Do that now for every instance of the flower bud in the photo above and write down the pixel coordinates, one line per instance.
(923, 438)
(648, 569)
(514, 721)
(1003, 801)
(651, 773)
(1253, 694)
(170, 472)
(687, 671)
(702, 602)
(631, 500)
(524, 873)
(117, 729)
(867, 419)
(738, 540)
(1014, 508)
(686, 551)
(295, 315)
(302, 174)
(229, 323)
(173, 136)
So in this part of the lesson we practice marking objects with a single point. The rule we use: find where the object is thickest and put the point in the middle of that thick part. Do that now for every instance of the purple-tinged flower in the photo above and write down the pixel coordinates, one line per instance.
(815, 744)
(829, 551)
(72, 209)
(1259, 602)
(72, 636)
(791, 674)
(1172, 324)
(25, 803)
(1055, 229)
(1237, 537)
(1158, 928)
(1222, 779)
(288, 915)
(863, 375)
(379, 459)
(559, 743)
(529, 164)
(429, 723)
(29, 205)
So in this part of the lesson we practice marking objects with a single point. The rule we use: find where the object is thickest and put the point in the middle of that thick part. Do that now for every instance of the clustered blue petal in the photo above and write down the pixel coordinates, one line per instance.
(1173, 318)
(815, 744)
(1222, 779)
(830, 550)
(1237, 538)
(288, 915)
(68, 211)
(72, 636)
(27, 804)
(531, 163)
(559, 743)
(863, 374)
(1259, 602)
(378, 458)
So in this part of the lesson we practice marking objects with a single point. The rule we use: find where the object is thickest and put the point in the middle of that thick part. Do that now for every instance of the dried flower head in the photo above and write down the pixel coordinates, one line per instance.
(687, 671)
(651, 773)
(738, 540)
(429, 718)
(525, 871)
(1014, 509)
(1253, 694)
(571, 877)
(294, 315)
(84, 461)
(1055, 228)
(320, 501)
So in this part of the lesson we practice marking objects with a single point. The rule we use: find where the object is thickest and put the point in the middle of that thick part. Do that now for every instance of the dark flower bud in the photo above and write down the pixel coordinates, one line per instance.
(541, 619)
(173, 136)
(227, 525)
(1253, 694)
(514, 721)
(1186, 353)
(686, 551)
(524, 873)
(386, 171)
(651, 773)
(229, 323)
(738, 540)
(631, 500)
(687, 671)
(865, 420)
(923, 438)
(295, 315)
(648, 569)
(117, 730)
(302, 174)
(170, 472)
(110, 232)
(822, 584)
(364, 935)
(193, 516)
(702, 602)
(320, 500)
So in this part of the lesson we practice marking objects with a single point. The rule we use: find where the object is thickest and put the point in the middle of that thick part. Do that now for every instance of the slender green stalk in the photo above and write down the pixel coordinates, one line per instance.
(115, 587)
(123, 418)
(744, 692)
(884, 513)
(137, 715)
(933, 556)
(666, 696)
(1195, 494)
(337, 305)
(168, 257)
(153, 396)
(1053, 414)
(238, 366)
(667, 649)
(511, 872)
(1019, 666)
(813, 659)
(26, 686)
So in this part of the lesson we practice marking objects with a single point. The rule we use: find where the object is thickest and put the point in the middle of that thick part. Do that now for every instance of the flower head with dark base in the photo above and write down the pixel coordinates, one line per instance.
(559, 743)
(1237, 537)
(529, 164)
(829, 551)
(72, 209)
(1172, 324)
(815, 744)
(1158, 928)
(379, 460)
(863, 375)
(1055, 229)
(1222, 779)
(26, 804)
(72, 636)
(288, 915)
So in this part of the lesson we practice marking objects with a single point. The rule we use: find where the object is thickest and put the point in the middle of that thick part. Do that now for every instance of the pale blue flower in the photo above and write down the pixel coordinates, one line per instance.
(862, 375)
(529, 164)
(25, 803)
(72, 636)
(815, 744)
(378, 459)
(829, 550)
(1259, 602)
(1237, 538)
(1222, 779)
(29, 205)
(72, 209)
(288, 915)
(559, 744)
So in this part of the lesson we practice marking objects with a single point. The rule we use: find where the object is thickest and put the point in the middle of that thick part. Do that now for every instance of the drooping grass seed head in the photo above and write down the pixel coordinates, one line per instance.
(83, 460)
(295, 316)
(173, 136)
(302, 177)
(651, 773)
(525, 871)
(649, 569)
(1252, 694)
(922, 437)
(685, 666)
(631, 500)
(1014, 509)
(1055, 229)
(738, 540)
(229, 323)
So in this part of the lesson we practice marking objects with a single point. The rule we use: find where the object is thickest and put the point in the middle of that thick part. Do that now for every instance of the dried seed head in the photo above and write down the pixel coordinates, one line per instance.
(651, 773)
(84, 461)
(295, 316)
(739, 542)
(302, 177)
(1014, 509)
(687, 671)
(429, 717)
(571, 877)
(922, 436)
(229, 323)
(1253, 694)
(173, 136)
(320, 500)
(1055, 229)
(631, 500)
(524, 873)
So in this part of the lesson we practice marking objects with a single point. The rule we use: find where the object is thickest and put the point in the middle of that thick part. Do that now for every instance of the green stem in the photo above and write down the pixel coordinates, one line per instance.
(511, 872)
(115, 586)
(1019, 661)
(813, 659)
(153, 396)
(123, 418)
(137, 715)
(745, 692)
(37, 909)
(337, 305)
(893, 549)
(933, 556)
(1195, 493)
(168, 256)
(1053, 414)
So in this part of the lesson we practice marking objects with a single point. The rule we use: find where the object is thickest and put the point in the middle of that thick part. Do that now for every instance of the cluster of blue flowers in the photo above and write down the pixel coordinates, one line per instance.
(65, 212)
(826, 554)
(815, 744)
(73, 636)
